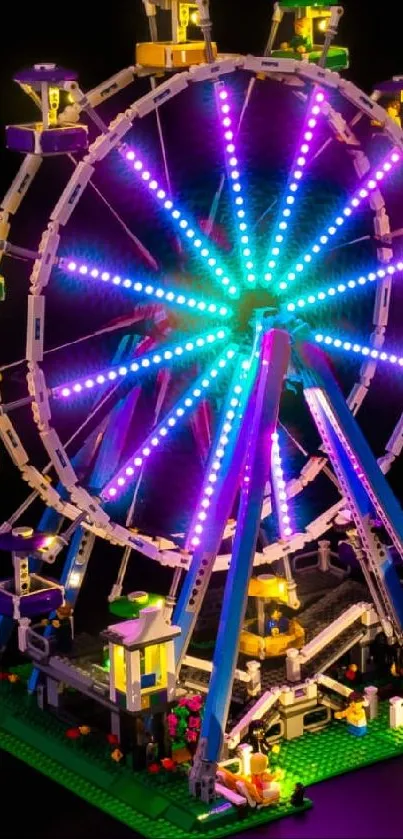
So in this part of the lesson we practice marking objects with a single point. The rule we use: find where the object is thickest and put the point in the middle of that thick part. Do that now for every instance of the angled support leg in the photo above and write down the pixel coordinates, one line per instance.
(274, 359)
(221, 505)
(362, 482)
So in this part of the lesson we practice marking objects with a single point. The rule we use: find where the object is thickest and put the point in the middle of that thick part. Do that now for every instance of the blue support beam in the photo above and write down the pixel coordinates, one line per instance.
(362, 482)
(316, 372)
(221, 506)
(274, 360)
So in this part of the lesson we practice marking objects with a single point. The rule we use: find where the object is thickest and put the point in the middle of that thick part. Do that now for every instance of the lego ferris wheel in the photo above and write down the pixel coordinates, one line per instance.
(228, 219)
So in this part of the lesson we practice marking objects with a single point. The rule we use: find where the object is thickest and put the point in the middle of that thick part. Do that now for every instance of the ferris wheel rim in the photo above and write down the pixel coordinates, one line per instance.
(327, 78)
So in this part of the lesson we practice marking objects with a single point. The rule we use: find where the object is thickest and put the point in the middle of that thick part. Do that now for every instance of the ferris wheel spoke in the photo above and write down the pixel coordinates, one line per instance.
(154, 289)
(186, 227)
(236, 185)
(361, 350)
(182, 409)
(367, 187)
(325, 295)
(145, 364)
(287, 207)
(221, 452)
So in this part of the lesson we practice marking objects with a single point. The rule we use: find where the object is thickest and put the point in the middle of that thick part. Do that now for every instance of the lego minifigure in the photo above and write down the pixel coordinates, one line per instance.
(355, 714)
(62, 628)
(302, 39)
(297, 798)
(257, 737)
(151, 750)
(263, 781)
(393, 110)
(277, 624)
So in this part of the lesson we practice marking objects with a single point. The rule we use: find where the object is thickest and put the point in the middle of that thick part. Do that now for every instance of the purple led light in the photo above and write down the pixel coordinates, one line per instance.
(208, 488)
(235, 185)
(293, 183)
(279, 486)
(182, 409)
(188, 229)
(361, 194)
(170, 296)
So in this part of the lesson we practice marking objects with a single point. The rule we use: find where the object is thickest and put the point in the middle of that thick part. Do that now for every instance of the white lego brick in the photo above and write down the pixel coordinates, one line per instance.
(361, 163)
(395, 443)
(89, 504)
(161, 94)
(21, 183)
(270, 65)
(378, 338)
(376, 201)
(362, 101)
(357, 397)
(394, 132)
(385, 462)
(382, 224)
(312, 469)
(12, 442)
(384, 254)
(382, 303)
(294, 487)
(108, 88)
(105, 142)
(43, 266)
(322, 523)
(118, 533)
(317, 74)
(72, 193)
(367, 372)
(35, 327)
(38, 389)
(59, 458)
(204, 72)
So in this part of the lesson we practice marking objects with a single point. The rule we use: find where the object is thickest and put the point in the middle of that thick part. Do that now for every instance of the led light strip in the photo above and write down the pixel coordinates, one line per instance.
(294, 181)
(341, 288)
(361, 193)
(321, 398)
(142, 364)
(236, 186)
(154, 290)
(186, 228)
(279, 487)
(358, 349)
(183, 407)
(237, 399)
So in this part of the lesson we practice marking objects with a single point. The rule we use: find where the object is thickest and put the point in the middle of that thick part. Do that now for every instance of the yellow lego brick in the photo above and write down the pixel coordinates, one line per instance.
(168, 55)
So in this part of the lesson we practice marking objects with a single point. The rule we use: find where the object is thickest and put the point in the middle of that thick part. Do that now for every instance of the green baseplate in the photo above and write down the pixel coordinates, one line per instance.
(159, 805)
